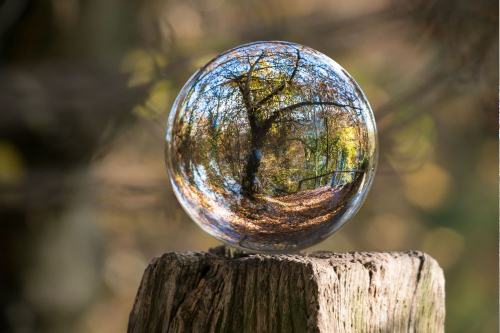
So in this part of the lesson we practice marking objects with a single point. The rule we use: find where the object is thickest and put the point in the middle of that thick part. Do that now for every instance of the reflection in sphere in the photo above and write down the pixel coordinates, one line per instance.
(271, 146)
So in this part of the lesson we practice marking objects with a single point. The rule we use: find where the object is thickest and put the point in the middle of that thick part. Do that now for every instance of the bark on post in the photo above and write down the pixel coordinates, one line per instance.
(317, 292)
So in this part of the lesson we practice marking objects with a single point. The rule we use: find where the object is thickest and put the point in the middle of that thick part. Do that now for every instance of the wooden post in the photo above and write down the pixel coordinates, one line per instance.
(317, 292)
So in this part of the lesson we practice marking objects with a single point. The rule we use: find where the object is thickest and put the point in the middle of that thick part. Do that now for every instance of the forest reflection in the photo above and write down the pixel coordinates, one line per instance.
(270, 143)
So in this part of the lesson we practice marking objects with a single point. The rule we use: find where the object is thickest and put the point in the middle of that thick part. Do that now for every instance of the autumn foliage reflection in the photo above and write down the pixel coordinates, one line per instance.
(270, 143)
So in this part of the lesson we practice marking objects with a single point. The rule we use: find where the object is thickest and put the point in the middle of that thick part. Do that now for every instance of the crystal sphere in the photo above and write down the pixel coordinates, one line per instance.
(271, 147)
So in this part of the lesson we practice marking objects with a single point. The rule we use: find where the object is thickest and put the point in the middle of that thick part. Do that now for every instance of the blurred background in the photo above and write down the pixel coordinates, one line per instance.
(85, 92)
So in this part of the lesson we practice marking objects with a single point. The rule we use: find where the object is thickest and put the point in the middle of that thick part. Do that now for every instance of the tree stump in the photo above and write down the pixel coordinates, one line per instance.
(317, 292)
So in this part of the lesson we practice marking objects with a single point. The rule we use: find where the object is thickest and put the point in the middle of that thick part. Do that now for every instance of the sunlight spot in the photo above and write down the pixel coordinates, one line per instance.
(428, 187)
(388, 232)
(445, 245)
(11, 164)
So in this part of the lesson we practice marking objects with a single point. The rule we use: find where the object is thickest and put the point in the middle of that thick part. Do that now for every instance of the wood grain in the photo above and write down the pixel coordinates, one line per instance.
(317, 292)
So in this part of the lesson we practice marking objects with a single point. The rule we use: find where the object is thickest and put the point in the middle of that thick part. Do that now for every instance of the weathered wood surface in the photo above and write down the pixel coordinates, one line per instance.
(317, 292)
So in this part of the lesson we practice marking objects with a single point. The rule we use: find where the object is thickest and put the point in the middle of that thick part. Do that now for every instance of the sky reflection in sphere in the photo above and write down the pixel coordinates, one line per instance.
(271, 147)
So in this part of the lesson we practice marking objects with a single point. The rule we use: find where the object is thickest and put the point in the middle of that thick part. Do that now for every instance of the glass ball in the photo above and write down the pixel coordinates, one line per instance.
(271, 147)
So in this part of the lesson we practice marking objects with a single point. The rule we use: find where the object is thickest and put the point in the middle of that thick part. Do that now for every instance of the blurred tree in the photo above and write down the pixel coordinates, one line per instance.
(61, 104)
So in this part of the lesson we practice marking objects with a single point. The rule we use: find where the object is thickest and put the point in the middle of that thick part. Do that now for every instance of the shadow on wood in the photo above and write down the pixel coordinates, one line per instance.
(317, 292)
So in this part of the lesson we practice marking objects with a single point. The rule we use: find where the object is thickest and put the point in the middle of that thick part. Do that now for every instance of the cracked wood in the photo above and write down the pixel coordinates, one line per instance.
(317, 292)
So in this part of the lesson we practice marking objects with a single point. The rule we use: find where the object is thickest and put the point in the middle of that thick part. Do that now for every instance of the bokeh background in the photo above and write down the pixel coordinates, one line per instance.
(85, 92)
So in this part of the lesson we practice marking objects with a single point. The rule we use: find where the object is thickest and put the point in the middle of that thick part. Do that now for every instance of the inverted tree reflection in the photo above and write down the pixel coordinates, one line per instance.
(272, 132)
